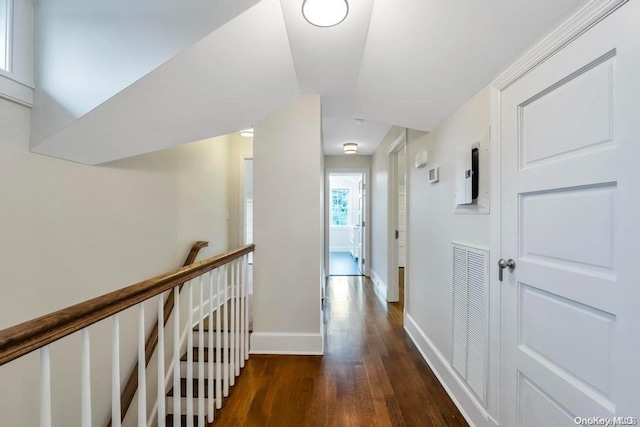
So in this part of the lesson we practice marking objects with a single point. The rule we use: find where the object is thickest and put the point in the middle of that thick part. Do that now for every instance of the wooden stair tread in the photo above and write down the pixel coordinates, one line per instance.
(183, 420)
(215, 323)
(206, 355)
(183, 388)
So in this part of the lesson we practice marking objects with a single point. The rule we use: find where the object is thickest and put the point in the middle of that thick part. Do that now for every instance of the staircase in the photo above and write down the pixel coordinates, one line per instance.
(220, 285)
(220, 360)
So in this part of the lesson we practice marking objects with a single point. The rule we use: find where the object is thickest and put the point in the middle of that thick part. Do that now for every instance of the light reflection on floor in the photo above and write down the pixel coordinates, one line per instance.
(339, 297)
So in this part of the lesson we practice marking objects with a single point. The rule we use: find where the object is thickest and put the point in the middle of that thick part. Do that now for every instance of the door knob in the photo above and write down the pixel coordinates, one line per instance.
(502, 264)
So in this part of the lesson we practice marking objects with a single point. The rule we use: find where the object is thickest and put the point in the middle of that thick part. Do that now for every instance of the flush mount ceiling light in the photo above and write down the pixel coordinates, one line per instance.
(350, 148)
(247, 133)
(325, 13)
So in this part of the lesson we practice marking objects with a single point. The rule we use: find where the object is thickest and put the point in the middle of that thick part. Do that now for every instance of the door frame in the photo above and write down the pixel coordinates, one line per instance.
(583, 19)
(241, 184)
(366, 246)
(393, 288)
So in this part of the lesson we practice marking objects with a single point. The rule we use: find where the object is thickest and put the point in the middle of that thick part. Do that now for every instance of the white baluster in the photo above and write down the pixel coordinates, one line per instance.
(232, 330)
(86, 379)
(210, 410)
(161, 391)
(236, 319)
(219, 339)
(242, 309)
(116, 416)
(190, 358)
(225, 333)
(177, 410)
(45, 387)
(247, 307)
(142, 373)
(201, 356)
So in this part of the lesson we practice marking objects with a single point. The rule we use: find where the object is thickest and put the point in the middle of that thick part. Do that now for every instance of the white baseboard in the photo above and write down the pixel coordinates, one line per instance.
(348, 248)
(287, 343)
(470, 408)
(379, 286)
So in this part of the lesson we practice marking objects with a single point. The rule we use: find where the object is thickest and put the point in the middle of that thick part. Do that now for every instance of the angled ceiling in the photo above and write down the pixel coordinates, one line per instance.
(88, 51)
(424, 58)
(233, 77)
(408, 63)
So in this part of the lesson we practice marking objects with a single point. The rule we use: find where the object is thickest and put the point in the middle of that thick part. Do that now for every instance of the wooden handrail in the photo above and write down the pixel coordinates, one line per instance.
(130, 388)
(26, 337)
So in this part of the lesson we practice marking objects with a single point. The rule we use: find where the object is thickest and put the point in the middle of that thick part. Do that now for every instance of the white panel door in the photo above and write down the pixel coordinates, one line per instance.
(570, 153)
(361, 224)
(402, 226)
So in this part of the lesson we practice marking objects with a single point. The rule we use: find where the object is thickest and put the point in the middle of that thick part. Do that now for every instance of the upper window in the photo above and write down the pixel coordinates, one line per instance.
(339, 207)
(5, 33)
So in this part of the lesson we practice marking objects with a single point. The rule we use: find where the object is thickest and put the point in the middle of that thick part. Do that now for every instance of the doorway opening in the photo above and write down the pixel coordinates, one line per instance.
(247, 202)
(347, 209)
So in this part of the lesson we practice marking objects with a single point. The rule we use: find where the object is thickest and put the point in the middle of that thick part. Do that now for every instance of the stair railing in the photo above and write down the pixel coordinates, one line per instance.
(131, 386)
(222, 278)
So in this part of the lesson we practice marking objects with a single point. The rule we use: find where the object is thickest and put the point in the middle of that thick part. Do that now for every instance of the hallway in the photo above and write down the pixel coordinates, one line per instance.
(371, 374)
(343, 264)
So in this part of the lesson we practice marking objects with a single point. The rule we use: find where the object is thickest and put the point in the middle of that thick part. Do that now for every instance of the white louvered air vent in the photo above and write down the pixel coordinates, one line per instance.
(470, 345)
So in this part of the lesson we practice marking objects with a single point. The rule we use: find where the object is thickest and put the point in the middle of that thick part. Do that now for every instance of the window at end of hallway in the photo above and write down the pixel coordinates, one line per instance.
(339, 207)
(5, 33)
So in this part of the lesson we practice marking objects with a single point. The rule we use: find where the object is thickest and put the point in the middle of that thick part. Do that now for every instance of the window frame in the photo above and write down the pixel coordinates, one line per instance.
(16, 82)
(8, 37)
(331, 212)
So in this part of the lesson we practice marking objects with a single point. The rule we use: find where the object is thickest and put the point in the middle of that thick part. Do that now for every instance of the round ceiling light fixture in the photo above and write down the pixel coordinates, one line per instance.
(247, 133)
(350, 148)
(325, 13)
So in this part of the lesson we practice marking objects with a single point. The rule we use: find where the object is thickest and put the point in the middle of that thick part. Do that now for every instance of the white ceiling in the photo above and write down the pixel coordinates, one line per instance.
(327, 61)
(338, 130)
(408, 63)
(424, 58)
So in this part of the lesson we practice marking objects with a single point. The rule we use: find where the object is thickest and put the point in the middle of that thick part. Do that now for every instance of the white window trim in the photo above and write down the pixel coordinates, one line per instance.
(9, 36)
(16, 90)
(16, 87)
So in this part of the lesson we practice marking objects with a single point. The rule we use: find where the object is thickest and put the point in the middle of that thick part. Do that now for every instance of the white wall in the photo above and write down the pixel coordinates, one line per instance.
(70, 232)
(433, 226)
(288, 204)
(379, 188)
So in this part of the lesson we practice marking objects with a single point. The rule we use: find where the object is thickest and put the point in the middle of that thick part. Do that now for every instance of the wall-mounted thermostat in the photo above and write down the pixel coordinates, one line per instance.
(467, 173)
(471, 177)
(434, 175)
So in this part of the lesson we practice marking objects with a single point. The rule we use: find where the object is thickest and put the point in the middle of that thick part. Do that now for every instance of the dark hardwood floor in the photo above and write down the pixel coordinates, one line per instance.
(371, 374)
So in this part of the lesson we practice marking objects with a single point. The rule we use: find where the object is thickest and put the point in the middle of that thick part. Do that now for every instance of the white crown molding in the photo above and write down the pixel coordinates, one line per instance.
(586, 17)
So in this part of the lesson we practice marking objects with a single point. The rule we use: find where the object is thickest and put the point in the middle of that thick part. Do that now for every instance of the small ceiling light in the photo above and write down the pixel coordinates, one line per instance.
(350, 148)
(325, 13)
(358, 122)
(247, 133)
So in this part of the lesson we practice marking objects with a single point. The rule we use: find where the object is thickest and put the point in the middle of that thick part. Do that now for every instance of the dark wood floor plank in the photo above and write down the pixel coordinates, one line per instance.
(371, 374)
